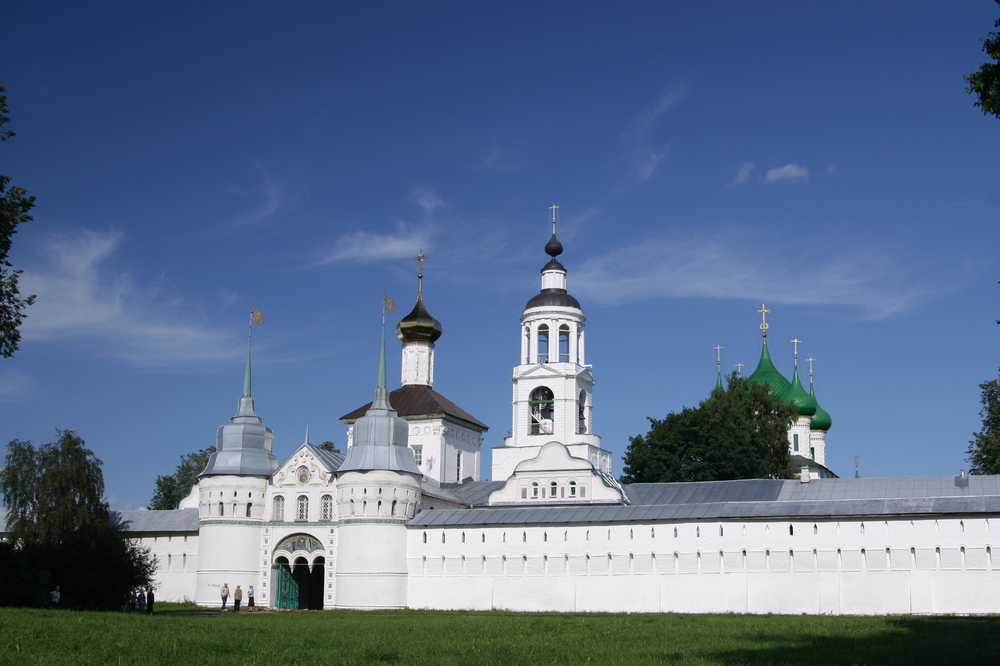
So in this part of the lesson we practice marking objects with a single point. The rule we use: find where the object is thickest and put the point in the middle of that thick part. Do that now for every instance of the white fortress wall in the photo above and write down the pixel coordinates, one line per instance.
(176, 564)
(857, 566)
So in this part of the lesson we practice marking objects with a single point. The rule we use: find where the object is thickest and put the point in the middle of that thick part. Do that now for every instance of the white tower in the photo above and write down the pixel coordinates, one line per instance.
(231, 494)
(553, 384)
(378, 490)
(418, 331)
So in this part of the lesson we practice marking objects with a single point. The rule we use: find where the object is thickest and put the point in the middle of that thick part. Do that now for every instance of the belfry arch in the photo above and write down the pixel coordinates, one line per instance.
(298, 571)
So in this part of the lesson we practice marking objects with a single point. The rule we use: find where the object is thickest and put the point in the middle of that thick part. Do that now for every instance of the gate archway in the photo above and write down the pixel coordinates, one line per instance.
(298, 572)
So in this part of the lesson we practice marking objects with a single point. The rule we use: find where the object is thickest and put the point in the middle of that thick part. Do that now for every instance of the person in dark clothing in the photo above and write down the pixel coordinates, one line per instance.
(149, 601)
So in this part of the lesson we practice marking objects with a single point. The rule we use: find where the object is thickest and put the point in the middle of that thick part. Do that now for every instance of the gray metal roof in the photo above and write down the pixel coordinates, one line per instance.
(744, 499)
(175, 520)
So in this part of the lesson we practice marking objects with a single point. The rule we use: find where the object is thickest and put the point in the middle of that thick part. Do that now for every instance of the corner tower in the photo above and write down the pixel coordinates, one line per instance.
(553, 384)
(231, 493)
(378, 490)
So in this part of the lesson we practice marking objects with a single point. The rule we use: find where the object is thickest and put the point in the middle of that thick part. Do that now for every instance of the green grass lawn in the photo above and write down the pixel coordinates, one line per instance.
(170, 637)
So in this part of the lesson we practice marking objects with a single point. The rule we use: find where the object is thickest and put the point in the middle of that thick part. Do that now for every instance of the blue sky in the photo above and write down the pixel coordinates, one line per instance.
(191, 162)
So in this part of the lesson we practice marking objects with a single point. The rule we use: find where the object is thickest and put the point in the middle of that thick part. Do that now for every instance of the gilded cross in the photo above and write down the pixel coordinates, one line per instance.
(421, 258)
(795, 347)
(554, 208)
(763, 319)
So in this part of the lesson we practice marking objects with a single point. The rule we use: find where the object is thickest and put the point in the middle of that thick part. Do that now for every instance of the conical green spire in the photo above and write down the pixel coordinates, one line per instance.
(247, 387)
(381, 399)
(803, 403)
(718, 381)
(767, 374)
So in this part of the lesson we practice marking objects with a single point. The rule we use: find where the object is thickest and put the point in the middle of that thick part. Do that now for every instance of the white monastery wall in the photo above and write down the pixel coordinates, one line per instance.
(836, 567)
(176, 564)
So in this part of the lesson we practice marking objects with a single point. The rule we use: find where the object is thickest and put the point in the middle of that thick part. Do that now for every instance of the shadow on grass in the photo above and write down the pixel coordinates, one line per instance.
(904, 640)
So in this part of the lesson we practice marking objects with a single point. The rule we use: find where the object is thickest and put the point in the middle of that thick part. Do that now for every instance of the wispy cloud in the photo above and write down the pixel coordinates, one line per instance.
(744, 174)
(726, 268)
(428, 200)
(646, 153)
(371, 246)
(14, 384)
(790, 173)
(79, 297)
(266, 198)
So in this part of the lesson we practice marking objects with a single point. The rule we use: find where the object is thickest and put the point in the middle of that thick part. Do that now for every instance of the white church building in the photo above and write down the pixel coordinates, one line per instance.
(403, 519)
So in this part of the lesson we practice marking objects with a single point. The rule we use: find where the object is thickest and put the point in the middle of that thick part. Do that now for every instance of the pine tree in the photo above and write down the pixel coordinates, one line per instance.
(984, 447)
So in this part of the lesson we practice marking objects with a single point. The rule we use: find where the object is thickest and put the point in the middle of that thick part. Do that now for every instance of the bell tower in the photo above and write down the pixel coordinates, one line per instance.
(552, 384)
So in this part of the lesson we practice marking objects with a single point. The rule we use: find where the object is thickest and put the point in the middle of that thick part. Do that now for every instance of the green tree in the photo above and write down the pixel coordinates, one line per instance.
(15, 207)
(172, 488)
(984, 83)
(984, 447)
(62, 531)
(740, 432)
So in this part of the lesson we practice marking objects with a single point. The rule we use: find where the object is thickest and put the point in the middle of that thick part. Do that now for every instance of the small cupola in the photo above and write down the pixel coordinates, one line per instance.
(553, 290)
(419, 325)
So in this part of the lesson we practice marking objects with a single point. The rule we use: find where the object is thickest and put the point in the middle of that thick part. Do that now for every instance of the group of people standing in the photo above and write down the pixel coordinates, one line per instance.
(141, 600)
(237, 597)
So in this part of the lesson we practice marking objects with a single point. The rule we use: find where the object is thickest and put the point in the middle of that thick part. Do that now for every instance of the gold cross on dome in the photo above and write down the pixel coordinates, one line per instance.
(421, 258)
(555, 216)
(763, 319)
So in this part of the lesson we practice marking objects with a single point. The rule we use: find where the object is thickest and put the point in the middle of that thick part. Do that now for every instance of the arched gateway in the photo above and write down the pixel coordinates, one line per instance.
(297, 573)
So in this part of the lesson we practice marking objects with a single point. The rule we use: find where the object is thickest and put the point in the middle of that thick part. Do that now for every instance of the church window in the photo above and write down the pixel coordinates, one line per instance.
(463, 537)
(675, 532)
(302, 508)
(534, 489)
(697, 531)
(543, 343)
(222, 509)
(482, 537)
(524, 537)
(326, 507)
(425, 541)
(552, 487)
(791, 530)
(249, 508)
(720, 530)
(442, 536)
(352, 508)
(278, 509)
(812, 452)
(418, 454)
(572, 488)
(795, 442)
(184, 561)
(581, 413)
(541, 404)
(393, 510)
(458, 466)
(564, 344)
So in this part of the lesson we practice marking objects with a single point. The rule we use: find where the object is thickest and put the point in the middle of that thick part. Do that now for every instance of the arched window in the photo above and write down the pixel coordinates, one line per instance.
(581, 413)
(326, 507)
(222, 509)
(534, 490)
(543, 343)
(572, 488)
(564, 344)
(302, 508)
(541, 404)
(278, 509)
(249, 508)
(553, 489)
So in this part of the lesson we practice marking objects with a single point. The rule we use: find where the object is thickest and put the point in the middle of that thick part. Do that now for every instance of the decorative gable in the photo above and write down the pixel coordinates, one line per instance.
(303, 469)
(555, 476)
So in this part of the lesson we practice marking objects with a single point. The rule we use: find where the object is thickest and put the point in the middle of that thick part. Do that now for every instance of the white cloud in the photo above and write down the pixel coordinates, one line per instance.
(78, 297)
(744, 174)
(371, 246)
(645, 153)
(14, 384)
(724, 268)
(268, 196)
(790, 173)
(428, 200)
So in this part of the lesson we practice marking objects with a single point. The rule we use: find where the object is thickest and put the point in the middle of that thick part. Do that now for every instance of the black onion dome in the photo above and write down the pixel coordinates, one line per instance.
(419, 325)
(553, 248)
(559, 297)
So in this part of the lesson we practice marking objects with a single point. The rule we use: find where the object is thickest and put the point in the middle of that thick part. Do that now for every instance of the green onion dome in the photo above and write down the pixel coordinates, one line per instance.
(796, 396)
(821, 419)
(768, 375)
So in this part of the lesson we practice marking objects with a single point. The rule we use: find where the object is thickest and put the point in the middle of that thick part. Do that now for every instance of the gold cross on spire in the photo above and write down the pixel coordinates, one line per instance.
(763, 320)
(421, 258)
(795, 350)
(555, 216)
